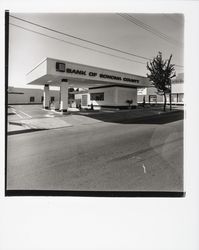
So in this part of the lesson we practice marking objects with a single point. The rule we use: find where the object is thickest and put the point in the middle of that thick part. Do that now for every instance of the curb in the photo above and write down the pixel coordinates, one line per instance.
(23, 131)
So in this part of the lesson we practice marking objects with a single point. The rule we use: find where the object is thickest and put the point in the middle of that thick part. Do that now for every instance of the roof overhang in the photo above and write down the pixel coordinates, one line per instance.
(52, 71)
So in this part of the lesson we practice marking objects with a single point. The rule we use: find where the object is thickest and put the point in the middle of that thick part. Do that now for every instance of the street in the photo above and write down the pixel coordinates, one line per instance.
(142, 155)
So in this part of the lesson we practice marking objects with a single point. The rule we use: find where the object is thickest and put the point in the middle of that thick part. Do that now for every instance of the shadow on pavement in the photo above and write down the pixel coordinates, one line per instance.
(127, 118)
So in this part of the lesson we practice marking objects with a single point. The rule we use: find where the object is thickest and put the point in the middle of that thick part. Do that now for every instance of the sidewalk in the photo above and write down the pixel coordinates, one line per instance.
(79, 118)
(36, 124)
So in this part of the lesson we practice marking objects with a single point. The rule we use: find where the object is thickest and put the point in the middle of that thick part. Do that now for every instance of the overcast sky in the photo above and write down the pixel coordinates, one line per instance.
(156, 32)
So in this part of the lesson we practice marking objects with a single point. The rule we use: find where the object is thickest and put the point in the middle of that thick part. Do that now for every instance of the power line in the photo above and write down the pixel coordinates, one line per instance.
(84, 40)
(71, 43)
(81, 39)
(149, 28)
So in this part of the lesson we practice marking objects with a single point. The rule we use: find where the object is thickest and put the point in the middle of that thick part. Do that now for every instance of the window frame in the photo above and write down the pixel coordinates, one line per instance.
(32, 99)
(97, 96)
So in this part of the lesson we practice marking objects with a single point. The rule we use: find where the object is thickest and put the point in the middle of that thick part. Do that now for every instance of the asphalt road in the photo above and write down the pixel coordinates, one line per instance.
(142, 155)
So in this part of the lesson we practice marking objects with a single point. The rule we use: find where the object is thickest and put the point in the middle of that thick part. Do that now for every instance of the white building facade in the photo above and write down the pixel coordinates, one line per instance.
(108, 96)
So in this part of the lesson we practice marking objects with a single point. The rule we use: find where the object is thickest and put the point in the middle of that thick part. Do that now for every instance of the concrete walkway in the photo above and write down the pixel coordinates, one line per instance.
(39, 123)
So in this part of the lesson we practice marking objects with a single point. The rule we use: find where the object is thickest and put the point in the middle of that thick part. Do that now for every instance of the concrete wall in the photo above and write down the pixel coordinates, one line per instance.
(109, 96)
(113, 96)
(22, 95)
(125, 94)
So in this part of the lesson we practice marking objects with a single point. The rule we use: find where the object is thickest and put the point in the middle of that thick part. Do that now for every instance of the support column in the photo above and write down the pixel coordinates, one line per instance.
(116, 96)
(46, 101)
(64, 95)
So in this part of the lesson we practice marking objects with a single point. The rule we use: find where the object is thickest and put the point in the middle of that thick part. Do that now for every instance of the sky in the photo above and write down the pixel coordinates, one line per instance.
(143, 35)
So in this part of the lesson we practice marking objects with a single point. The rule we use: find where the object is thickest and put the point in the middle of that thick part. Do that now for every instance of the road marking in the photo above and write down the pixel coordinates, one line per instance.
(144, 168)
(25, 114)
(13, 110)
(19, 115)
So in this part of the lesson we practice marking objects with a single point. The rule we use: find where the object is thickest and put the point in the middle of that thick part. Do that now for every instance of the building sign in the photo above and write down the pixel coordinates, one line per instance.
(76, 71)
(61, 67)
(141, 91)
(105, 76)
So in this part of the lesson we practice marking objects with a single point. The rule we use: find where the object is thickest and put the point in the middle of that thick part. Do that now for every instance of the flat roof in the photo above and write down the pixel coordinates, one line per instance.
(80, 64)
(80, 75)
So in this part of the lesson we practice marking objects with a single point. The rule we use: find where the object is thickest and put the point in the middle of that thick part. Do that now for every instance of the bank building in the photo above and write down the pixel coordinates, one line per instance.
(92, 87)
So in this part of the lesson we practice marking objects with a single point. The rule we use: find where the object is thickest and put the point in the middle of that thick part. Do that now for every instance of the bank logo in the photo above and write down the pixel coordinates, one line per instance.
(60, 67)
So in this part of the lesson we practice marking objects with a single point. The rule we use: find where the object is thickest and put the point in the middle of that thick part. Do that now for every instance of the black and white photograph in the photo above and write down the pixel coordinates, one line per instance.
(99, 128)
(95, 104)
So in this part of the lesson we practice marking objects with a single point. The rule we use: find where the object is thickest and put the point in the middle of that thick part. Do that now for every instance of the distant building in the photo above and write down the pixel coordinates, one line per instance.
(29, 96)
(151, 95)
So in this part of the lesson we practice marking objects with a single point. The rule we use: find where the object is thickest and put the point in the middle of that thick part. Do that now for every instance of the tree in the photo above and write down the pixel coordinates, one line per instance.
(161, 73)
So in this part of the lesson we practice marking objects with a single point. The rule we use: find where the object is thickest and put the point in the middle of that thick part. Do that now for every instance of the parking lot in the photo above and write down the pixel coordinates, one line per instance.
(19, 112)
(24, 117)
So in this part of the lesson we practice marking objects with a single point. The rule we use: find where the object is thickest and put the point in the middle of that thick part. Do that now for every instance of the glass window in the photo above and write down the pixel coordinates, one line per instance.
(97, 96)
(32, 99)
(153, 98)
(52, 98)
(174, 97)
